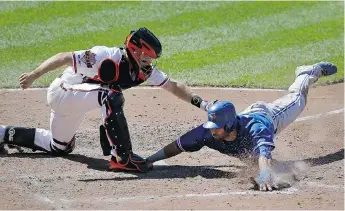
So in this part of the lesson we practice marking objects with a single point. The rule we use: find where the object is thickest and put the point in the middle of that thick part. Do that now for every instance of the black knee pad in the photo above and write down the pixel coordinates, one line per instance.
(69, 147)
(115, 99)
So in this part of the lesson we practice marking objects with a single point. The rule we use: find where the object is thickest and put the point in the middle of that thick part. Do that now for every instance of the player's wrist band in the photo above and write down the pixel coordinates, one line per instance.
(196, 101)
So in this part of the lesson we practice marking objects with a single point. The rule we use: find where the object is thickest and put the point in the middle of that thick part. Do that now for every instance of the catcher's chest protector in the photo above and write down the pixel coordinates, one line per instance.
(128, 77)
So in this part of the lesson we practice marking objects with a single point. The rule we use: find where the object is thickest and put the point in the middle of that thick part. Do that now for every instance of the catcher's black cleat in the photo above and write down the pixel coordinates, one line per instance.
(134, 163)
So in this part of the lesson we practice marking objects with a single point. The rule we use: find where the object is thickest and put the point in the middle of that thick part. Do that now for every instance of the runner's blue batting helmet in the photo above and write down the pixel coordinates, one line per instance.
(221, 113)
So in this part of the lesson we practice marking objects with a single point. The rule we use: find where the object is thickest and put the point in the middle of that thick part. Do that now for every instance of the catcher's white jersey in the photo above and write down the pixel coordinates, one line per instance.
(86, 62)
(70, 99)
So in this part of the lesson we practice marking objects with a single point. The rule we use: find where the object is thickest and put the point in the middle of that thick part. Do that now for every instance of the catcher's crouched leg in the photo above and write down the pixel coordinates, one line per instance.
(17, 137)
(36, 139)
(134, 161)
(121, 150)
(117, 133)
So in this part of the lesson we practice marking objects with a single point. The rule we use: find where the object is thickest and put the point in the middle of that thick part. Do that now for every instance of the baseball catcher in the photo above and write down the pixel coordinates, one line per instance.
(95, 78)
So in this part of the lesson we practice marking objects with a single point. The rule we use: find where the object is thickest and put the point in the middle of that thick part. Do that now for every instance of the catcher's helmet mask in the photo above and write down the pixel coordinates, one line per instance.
(143, 48)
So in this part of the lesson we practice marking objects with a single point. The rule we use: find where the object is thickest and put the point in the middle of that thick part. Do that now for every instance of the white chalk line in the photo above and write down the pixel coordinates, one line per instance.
(192, 87)
(39, 196)
(321, 185)
(54, 204)
(63, 177)
(288, 191)
(316, 116)
(59, 202)
(44, 198)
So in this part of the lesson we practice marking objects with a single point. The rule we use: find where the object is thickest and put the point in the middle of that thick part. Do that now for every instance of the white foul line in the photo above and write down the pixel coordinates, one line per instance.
(321, 185)
(319, 115)
(192, 195)
(288, 191)
(44, 199)
(291, 190)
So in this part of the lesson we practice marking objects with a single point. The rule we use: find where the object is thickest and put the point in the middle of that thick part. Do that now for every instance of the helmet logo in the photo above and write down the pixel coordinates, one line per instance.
(212, 115)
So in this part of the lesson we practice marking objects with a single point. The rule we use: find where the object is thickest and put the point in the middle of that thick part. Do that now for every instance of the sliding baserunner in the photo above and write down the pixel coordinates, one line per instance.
(250, 134)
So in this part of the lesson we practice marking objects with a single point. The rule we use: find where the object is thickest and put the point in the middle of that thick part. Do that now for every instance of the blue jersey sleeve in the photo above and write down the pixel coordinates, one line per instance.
(193, 140)
(265, 151)
(262, 139)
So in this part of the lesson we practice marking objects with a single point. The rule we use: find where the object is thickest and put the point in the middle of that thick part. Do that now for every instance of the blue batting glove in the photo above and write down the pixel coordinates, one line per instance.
(265, 176)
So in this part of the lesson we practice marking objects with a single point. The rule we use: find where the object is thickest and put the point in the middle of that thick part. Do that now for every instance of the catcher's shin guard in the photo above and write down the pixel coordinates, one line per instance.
(21, 137)
(134, 163)
(118, 135)
(105, 145)
(116, 128)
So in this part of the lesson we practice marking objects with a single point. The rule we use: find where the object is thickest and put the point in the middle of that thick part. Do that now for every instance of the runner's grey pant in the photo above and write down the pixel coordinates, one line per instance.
(286, 109)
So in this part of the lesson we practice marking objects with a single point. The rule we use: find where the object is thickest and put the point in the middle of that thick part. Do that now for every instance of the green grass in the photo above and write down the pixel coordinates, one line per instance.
(238, 44)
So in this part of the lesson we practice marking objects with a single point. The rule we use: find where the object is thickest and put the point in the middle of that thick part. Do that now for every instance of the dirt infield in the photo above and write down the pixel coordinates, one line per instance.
(201, 180)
